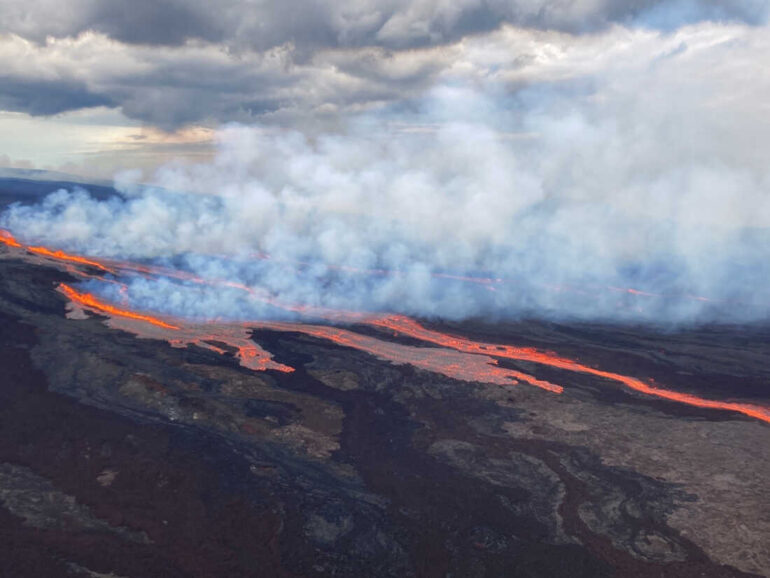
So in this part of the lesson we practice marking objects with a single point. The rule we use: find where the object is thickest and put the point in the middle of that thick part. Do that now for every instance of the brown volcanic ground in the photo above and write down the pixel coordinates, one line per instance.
(127, 457)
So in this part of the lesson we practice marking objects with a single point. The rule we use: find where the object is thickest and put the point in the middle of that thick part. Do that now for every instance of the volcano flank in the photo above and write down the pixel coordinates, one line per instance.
(139, 444)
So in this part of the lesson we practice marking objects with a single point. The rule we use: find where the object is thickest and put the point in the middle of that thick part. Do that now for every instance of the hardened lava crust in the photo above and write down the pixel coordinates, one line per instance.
(130, 457)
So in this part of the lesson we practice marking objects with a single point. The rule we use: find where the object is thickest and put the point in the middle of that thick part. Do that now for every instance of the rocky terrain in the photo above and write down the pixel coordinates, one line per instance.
(364, 451)
(124, 456)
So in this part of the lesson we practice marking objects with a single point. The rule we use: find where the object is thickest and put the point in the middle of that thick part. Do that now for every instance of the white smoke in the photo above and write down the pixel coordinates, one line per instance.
(649, 173)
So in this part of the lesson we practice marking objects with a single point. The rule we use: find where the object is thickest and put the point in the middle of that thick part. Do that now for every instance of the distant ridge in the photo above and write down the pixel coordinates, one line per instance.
(54, 176)
(27, 190)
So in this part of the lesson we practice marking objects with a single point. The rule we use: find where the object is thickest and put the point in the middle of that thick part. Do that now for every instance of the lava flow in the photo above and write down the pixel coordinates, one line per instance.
(214, 337)
(62, 256)
(7, 239)
(407, 326)
(455, 364)
(88, 300)
(455, 357)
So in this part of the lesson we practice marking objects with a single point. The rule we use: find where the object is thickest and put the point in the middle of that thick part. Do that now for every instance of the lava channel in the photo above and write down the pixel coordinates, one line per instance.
(478, 362)
(7, 239)
(451, 363)
(212, 336)
(62, 256)
(406, 326)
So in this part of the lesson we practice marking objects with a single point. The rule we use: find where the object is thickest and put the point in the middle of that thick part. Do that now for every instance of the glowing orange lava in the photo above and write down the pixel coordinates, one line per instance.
(7, 239)
(62, 256)
(217, 337)
(635, 292)
(454, 364)
(456, 357)
(92, 302)
(212, 336)
(407, 326)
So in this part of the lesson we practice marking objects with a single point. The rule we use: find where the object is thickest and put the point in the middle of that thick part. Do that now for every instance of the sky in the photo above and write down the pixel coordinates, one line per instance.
(93, 86)
(570, 147)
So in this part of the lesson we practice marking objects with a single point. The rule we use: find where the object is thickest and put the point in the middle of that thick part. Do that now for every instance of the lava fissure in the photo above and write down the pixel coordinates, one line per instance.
(7, 239)
(456, 357)
(88, 300)
(62, 256)
(411, 328)
(455, 364)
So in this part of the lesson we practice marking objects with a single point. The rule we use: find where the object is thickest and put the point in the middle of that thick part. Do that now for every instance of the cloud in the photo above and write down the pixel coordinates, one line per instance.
(170, 22)
(629, 159)
(316, 24)
(174, 63)
(47, 97)
(173, 86)
(9, 164)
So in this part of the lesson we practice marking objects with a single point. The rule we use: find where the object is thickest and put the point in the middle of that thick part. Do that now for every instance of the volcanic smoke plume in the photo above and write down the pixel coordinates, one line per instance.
(634, 195)
(472, 288)
(453, 356)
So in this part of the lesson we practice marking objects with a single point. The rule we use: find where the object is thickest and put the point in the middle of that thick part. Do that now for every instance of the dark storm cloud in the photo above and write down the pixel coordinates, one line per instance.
(174, 62)
(172, 86)
(166, 22)
(313, 24)
(46, 97)
(169, 22)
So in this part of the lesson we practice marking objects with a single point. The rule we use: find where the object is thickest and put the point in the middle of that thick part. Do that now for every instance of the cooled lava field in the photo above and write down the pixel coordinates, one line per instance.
(133, 445)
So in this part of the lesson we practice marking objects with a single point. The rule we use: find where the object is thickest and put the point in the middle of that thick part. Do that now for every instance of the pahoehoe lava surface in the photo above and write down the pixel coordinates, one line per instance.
(122, 456)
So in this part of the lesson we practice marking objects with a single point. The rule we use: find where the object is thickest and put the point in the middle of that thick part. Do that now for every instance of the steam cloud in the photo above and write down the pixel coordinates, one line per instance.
(650, 173)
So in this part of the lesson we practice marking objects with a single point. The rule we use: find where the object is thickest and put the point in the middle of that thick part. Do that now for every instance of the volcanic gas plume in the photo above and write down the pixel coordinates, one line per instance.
(552, 206)
(453, 356)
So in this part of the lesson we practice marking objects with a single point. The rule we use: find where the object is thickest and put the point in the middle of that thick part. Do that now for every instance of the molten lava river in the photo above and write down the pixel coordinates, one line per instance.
(453, 356)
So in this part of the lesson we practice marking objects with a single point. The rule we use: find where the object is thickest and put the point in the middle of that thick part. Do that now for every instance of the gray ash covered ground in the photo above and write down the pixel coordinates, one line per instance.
(126, 457)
